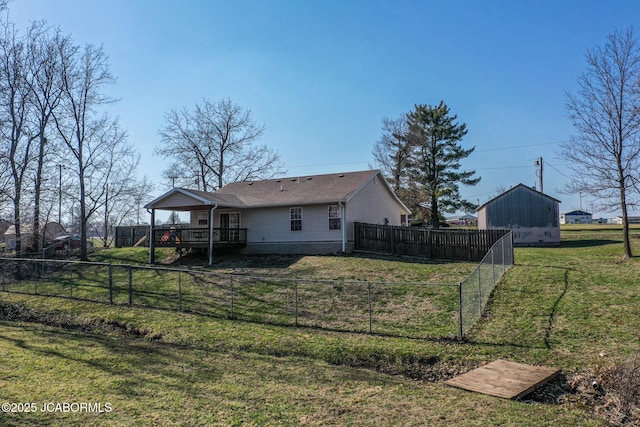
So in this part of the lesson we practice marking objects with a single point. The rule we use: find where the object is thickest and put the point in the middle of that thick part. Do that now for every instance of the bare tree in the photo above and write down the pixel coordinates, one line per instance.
(392, 154)
(216, 144)
(604, 154)
(43, 61)
(124, 194)
(92, 140)
(14, 104)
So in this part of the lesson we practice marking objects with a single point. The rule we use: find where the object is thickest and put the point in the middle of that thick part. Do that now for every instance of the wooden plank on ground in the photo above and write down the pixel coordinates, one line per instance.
(509, 380)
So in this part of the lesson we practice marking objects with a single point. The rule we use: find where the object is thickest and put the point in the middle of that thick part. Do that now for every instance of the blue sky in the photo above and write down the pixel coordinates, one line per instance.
(321, 75)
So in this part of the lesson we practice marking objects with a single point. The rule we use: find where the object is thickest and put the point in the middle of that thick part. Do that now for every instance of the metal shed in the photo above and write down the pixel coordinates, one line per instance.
(533, 216)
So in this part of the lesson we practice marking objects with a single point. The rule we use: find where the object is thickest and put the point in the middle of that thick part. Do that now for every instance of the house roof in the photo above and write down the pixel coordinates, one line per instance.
(526, 187)
(299, 190)
(577, 212)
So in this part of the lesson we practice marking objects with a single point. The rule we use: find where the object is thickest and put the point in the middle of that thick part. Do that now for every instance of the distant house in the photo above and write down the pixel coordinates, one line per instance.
(576, 217)
(302, 215)
(462, 220)
(532, 216)
(630, 219)
(51, 230)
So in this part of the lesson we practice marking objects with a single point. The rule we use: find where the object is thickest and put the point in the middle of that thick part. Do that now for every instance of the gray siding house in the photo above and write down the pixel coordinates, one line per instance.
(576, 217)
(300, 215)
(532, 216)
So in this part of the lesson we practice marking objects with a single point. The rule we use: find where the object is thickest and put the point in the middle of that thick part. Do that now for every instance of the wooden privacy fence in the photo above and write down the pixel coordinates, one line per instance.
(467, 245)
(127, 236)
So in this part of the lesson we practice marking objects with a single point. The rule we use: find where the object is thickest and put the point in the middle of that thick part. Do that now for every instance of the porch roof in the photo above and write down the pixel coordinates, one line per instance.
(182, 199)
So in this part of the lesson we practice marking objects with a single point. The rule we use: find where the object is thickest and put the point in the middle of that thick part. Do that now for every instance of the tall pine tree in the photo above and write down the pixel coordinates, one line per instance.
(435, 136)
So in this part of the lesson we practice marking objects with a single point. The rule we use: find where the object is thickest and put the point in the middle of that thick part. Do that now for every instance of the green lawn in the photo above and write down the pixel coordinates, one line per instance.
(575, 307)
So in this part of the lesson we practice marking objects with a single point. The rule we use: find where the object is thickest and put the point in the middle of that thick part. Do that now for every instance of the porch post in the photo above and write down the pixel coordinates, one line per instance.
(152, 248)
(211, 209)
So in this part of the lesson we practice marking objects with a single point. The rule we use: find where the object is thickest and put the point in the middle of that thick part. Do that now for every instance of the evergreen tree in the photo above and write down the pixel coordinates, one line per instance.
(435, 136)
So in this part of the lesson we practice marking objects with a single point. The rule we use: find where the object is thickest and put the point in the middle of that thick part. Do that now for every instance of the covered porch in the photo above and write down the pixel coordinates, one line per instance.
(202, 233)
(198, 238)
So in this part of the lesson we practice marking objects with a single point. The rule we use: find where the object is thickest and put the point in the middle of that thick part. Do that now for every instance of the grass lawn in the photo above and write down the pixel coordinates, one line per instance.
(574, 307)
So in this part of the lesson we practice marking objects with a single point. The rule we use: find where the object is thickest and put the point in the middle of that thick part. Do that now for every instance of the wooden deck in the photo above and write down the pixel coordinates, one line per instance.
(509, 380)
(183, 237)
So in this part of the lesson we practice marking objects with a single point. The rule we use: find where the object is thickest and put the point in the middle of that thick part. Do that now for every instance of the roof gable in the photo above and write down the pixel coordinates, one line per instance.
(519, 187)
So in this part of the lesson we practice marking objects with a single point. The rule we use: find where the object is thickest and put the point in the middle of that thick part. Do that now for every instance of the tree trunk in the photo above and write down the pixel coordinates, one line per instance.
(435, 220)
(37, 192)
(625, 224)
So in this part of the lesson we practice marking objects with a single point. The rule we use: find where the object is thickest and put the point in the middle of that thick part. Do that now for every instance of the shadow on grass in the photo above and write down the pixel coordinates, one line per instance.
(587, 243)
(235, 260)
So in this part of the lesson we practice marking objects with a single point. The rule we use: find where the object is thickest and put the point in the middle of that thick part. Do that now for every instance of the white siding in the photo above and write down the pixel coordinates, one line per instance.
(194, 219)
(273, 225)
(177, 200)
(372, 204)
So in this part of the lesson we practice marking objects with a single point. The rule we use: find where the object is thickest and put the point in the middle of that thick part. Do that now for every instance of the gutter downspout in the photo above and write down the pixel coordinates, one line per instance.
(152, 248)
(343, 226)
(211, 209)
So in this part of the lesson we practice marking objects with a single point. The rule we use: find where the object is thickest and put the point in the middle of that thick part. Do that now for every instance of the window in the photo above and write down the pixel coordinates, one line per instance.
(403, 220)
(334, 217)
(296, 219)
(203, 218)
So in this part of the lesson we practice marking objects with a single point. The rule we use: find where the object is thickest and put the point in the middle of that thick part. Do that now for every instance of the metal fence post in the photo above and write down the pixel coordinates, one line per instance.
(370, 311)
(71, 275)
(479, 291)
(493, 268)
(231, 315)
(295, 297)
(110, 284)
(461, 333)
(180, 291)
(130, 286)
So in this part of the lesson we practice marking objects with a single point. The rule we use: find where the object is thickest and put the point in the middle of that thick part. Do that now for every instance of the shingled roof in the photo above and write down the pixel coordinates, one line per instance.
(298, 190)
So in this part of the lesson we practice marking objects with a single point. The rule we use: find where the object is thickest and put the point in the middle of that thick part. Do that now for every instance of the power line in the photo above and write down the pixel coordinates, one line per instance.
(563, 174)
(519, 146)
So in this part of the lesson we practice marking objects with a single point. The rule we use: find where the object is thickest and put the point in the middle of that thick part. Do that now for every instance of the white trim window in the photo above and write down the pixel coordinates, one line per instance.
(295, 214)
(203, 218)
(335, 218)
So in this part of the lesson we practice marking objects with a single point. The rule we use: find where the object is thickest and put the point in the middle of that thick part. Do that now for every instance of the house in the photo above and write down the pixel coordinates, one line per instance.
(630, 220)
(462, 220)
(301, 215)
(51, 230)
(576, 217)
(532, 216)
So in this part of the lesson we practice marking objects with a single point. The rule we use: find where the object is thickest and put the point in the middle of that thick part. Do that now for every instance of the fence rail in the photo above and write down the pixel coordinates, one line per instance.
(415, 310)
(467, 245)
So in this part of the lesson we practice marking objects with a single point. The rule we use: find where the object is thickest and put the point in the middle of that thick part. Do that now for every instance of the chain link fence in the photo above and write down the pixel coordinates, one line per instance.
(477, 288)
(416, 310)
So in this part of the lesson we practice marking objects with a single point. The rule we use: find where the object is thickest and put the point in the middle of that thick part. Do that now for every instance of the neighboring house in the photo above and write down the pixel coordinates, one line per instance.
(301, 215)
(630, 220)
(463, 220)
(576, 217)
(51, 230)
(532, 216)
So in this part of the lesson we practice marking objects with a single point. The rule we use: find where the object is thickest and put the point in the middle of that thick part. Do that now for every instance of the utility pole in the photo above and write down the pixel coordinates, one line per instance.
(539, 172)
(60, 194)
(173, 180)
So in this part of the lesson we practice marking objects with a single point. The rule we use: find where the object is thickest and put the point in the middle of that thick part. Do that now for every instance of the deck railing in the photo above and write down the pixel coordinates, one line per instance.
(198, 237)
